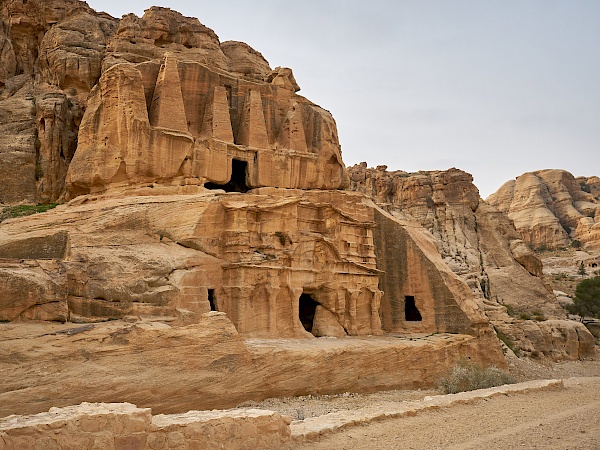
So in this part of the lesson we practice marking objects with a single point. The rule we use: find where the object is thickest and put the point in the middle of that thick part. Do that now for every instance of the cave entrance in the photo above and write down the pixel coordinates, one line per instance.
(411, 312)
(212, 300)
(307, 309)
(237, 182)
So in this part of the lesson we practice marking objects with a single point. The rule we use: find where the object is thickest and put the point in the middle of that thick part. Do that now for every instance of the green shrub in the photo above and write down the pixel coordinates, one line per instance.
(11, 212)
(538, 315)
(507, 341)
(510, 310)
(467, 376)
(575, 243)
(586, 302)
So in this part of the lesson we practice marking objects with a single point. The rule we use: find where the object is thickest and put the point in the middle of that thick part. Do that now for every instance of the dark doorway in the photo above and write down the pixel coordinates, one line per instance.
(307, 309)
(411, 312)
(212, 300)
(237, 183)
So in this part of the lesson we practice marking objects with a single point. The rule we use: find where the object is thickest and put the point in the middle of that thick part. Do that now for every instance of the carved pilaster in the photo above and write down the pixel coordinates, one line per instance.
(273, 293)
(375, 307)
(354, 295)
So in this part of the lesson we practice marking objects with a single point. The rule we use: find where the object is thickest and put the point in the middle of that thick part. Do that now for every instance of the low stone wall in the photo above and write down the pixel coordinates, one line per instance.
(120, 426)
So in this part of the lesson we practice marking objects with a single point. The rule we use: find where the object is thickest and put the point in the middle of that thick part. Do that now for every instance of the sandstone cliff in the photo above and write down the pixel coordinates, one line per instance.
(197, 181)
(552, 209)
(480, 244)
(53, 55)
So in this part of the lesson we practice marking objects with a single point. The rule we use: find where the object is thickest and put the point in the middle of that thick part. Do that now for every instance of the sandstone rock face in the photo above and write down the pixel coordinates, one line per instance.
(217, 109)
(17, 142)
(550, 208)
(122, 425)
(36, 290)
(202, 126)
(244, 61)
(479, 244)
(278, 263)
(162, 30)
(206, 193)
(207, 365)
(71, 52)
(51, 53)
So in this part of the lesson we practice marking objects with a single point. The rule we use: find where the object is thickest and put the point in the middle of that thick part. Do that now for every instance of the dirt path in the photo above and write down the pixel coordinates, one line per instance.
(564, 419)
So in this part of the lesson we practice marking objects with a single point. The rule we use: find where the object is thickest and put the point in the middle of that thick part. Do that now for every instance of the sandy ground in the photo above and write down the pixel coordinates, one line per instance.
(522, 369)
(564, 419)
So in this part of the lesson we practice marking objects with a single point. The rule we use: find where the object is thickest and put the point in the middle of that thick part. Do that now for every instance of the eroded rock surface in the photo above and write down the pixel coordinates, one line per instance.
(206, 365)
(182, 123)
(206, 103)
(267, 259)
(203, 191)
(479, 243)
(552, 208)
(51, 54)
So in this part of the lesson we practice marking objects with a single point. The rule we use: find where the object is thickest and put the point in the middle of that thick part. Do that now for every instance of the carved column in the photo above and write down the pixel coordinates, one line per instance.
(273, 293)
(296, 324)
(375, 306)
(340, 307)
(238, 298)
(352, 326)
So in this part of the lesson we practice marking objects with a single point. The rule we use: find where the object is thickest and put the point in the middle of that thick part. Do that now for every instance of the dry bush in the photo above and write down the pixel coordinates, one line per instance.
(466, 376)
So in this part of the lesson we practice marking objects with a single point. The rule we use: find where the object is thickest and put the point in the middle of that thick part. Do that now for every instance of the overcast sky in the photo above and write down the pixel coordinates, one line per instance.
(496, 87)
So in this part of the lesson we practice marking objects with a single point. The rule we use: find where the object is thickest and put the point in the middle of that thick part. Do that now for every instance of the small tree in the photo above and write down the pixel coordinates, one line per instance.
(586, 302)
(581, 271)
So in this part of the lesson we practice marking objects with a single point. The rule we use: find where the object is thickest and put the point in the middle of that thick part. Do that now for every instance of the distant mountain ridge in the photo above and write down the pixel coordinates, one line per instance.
(552, 209)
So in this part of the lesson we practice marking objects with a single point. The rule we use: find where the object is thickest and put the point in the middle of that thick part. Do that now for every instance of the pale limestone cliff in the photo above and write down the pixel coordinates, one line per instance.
(481, 245)
(551, 208)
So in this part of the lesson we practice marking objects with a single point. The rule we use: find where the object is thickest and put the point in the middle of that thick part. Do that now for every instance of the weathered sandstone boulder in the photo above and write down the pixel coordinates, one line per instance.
(90, 426)
(207, 365)
(244, 61)
(162, 30)
(478, 243)
(551, 208)
(71, 52)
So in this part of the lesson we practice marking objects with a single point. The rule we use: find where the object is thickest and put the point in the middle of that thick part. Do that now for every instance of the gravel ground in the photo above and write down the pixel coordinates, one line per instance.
(561, 419)
(299, 408)
(523, 369)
